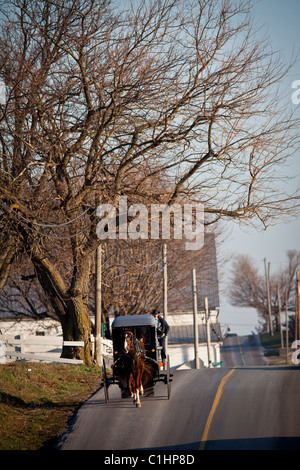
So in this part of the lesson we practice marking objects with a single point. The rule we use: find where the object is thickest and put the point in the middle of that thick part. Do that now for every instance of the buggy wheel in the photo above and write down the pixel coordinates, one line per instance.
(105, 382)
(168, 378)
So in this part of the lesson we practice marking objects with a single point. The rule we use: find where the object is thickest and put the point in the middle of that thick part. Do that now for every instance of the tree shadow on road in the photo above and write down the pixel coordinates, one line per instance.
(265, 443)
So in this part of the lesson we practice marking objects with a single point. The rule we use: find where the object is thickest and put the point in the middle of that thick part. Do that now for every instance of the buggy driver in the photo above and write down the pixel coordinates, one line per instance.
(162, 331)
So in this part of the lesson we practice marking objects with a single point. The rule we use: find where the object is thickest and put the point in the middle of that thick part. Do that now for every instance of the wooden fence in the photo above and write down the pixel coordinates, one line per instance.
(43, 348)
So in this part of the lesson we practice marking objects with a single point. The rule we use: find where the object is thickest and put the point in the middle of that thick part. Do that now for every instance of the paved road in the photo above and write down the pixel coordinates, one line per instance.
(242, 351)
(246, 407)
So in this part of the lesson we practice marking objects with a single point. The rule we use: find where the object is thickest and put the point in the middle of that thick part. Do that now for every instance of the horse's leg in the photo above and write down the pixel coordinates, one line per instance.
(132, 388)
(139, 388)
(139, 385)
(138, 401)
(130, 385)
(141, 378)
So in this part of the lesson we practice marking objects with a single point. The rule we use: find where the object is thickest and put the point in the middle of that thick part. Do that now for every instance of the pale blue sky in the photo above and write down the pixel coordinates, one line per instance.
(281, 20)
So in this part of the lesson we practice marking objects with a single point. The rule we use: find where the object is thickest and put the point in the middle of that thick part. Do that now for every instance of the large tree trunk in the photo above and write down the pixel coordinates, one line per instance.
(7, 253)
(76, 326)
(69, 303)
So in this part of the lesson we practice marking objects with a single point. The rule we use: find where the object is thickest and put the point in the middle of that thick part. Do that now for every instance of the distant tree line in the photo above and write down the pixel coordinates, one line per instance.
(248, 288)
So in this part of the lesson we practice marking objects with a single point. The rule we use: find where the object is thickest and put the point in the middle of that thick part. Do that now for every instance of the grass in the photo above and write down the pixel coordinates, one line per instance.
(272, 345)
(37, 400)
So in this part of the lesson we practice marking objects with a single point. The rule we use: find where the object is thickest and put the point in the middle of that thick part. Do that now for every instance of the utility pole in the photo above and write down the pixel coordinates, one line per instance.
(267, 273)
(279, 316)
(97, 351)
(196, 339)
(286, 329)
(298, 307)
(207, 332)
(165, 287)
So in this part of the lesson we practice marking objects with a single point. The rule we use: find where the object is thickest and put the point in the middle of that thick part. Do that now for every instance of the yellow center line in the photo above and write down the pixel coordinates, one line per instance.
(213, 409)
(242, 354)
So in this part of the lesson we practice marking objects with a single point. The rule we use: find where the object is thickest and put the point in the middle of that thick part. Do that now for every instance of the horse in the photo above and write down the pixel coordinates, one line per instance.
(135, 349)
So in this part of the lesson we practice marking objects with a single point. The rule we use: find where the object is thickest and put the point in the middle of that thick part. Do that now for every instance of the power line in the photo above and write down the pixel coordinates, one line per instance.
(29, 224)
(48, 225)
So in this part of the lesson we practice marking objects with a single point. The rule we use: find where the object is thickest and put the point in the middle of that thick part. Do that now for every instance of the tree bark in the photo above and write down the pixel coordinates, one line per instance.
(69, 303)
(6, 258)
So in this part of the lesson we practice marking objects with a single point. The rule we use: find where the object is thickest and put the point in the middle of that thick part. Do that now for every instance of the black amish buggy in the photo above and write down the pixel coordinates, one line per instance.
(142, 331)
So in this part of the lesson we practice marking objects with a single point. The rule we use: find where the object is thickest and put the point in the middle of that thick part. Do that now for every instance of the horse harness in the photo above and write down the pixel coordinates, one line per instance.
(136, 349)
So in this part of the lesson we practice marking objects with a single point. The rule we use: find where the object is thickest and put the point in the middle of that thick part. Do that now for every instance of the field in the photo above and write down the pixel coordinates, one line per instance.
(272, 345)
(37, 399)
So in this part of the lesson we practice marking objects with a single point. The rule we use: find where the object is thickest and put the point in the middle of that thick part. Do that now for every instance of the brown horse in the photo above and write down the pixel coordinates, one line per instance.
(135, 349)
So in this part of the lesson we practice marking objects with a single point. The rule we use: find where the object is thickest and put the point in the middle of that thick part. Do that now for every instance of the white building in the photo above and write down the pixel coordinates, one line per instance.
(181, 348)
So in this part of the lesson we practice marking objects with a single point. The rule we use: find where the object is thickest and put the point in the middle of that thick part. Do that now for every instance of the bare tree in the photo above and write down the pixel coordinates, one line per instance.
(132, 276)
(103, 99)
(248, 287)
(7, 252)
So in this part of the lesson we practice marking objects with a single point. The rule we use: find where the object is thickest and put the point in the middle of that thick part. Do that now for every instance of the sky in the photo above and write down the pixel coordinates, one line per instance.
(280, 19)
